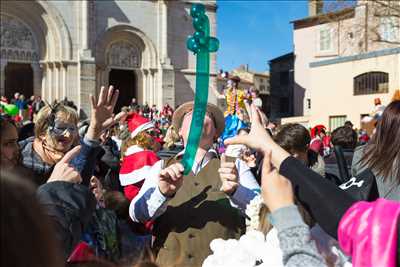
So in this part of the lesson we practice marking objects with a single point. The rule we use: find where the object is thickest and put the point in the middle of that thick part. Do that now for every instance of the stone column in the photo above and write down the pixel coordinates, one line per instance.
(167, 92)
(63, 80)
(153, 87)
(37, 78)
(98, 77)
(106, 76)
(87, 85)
(50, 86)
(87, 65)
(150, 88)
(145, 91)
(44, 78)
(57, 81)
(85, 24)
(165, 87)
(101, 77)
(163, 30)
(3, 64)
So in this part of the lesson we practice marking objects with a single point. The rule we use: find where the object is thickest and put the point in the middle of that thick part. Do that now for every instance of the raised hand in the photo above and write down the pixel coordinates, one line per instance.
(171, 179)
(97, 188)
(258, 136)
(63, 171)
(228, 175)
(102, 116)
(259, 139)
(276, 190)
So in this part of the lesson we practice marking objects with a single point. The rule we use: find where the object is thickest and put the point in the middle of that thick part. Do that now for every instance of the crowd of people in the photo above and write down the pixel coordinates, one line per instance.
(110, 190)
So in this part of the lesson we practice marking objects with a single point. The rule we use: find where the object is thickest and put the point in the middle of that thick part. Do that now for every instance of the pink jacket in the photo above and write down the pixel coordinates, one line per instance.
(368, 232)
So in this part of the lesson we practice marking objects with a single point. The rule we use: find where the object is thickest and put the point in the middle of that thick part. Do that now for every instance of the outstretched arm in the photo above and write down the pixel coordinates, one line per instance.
(297, 246)
(323, 200)
(102, 117)
(159, 186)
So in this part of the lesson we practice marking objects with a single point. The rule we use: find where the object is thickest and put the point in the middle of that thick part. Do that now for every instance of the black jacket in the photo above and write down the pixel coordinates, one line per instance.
(70, 207)
(332, 167)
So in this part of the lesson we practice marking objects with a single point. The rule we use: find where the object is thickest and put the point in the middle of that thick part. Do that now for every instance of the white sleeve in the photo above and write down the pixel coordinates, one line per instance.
(149, 202)
(248, 187)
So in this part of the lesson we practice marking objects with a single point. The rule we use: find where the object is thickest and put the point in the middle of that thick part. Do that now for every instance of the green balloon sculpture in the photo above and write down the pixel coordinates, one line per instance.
(201, 44)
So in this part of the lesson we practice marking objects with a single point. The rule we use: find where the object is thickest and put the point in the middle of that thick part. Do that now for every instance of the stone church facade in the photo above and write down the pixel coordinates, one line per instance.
(60, 49)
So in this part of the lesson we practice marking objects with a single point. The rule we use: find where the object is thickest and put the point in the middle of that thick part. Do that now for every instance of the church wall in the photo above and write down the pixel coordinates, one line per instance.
(139, 14)
(184, 62)
(167, 72)
(68, 11)
(179, 28)
(72, 82)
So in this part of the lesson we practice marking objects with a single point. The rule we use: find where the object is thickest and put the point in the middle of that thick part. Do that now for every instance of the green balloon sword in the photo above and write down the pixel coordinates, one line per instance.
(201, 44)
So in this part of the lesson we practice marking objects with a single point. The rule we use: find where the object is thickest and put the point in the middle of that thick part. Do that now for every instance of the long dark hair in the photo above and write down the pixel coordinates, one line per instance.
(27, 236)
(382, 153)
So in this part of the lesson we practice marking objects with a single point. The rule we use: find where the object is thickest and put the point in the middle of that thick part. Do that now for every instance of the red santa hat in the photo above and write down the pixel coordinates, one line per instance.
(137, 124)
(317, 130)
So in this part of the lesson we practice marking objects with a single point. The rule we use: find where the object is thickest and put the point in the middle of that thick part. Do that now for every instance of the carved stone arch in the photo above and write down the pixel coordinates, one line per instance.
(129, 34)
(60, 28)
(16, 37)
(123, 54)
(49, 28)
(140, 54)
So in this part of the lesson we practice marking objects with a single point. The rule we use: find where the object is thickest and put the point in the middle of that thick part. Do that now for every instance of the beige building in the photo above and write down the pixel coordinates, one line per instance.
(248, 79)
(60, 49)
(343, 61)
(260, 80)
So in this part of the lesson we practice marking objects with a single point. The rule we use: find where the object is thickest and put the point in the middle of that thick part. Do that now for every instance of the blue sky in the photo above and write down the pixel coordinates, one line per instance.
(253, 32)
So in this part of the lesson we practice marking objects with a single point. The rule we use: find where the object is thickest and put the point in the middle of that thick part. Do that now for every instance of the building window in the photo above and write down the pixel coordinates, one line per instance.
(283, 105)
(325, 39)
(262, 88)
(309, 103)
(336, 121)
(389, 29)
(371, 83)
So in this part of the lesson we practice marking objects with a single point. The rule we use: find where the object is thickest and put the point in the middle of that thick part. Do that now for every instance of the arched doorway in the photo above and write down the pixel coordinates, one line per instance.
(18, 78)
(126, 82)
(124, 47)
(19, 57)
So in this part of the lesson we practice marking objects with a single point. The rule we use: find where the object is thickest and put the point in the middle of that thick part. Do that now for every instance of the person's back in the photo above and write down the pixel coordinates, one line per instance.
(331, 163)
(27, 237)
(387, 187)
(346, 138)
(382, 154)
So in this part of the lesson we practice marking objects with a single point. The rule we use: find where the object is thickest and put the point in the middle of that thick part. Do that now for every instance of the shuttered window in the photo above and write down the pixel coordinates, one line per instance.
(371, 83)
(336, 121)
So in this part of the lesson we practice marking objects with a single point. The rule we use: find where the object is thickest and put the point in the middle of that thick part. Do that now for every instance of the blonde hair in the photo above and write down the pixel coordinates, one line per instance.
(60, 111)
(141, 139)
(171, 137)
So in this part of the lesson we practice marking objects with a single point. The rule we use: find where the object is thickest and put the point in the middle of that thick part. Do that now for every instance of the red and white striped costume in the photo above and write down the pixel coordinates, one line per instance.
(137, 162)
(135, 167)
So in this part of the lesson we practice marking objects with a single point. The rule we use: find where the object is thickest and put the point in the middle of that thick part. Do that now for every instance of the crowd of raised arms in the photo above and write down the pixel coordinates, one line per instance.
(109, 189)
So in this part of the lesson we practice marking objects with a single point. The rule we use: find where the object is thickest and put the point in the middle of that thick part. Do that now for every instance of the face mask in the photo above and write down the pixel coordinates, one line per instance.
(60, 129)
